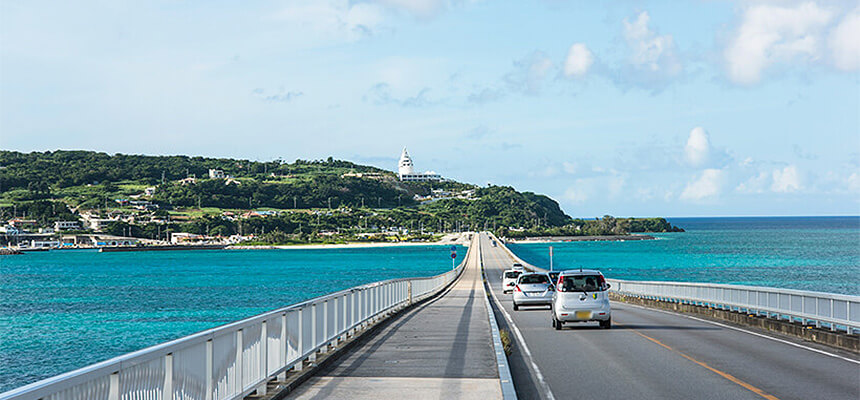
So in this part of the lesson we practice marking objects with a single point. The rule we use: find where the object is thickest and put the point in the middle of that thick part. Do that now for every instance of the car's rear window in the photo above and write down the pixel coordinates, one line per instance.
(534, 279)
(588, 283)
(512, 274)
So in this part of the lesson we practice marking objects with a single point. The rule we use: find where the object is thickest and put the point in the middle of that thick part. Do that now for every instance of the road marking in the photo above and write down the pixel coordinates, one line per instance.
(749, 332)
(522, 341)
(726, 375)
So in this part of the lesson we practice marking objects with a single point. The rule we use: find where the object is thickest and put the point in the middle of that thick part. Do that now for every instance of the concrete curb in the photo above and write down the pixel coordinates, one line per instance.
(506, 381)
(809, 333)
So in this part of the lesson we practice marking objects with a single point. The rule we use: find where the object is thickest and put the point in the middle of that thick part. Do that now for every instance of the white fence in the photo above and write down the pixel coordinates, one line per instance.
(234, 360)
(838, 311)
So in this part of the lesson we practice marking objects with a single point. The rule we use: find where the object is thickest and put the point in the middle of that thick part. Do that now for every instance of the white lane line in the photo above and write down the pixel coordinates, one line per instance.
(522, 341)
(749, 332)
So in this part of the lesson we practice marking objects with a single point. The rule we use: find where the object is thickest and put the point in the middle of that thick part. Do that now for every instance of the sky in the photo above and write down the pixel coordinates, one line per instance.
(629, 108)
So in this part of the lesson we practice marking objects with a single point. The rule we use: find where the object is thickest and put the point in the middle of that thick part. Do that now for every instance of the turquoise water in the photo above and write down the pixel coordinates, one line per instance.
(808, 253)
(62, 310)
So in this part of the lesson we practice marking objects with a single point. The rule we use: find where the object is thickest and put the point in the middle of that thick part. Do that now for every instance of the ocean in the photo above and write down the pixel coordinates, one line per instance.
(62, 310)
(808, 253)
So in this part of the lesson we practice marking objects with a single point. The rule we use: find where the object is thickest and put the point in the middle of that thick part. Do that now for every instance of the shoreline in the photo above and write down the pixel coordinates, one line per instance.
(598, 238)
(447, 240)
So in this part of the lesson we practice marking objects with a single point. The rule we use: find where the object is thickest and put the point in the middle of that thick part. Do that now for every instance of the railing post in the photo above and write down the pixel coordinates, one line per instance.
(113, 388)
(210, 363)
(167, 387)
(313, 356)
(282, 349)
(325, 327)
(264, 360)
(239, 347)
(409, 291)
(832, 325)
(301, 345)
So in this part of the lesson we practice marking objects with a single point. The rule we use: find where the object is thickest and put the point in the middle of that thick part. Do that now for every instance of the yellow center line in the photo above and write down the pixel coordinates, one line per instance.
(726, 375)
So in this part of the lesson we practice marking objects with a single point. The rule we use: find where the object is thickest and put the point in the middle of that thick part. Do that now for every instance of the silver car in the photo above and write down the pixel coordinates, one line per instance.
(581, 296)
(533, 289)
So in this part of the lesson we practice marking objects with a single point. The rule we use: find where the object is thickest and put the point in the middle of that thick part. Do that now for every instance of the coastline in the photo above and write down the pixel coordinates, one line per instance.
(599, 238)
(447, 240)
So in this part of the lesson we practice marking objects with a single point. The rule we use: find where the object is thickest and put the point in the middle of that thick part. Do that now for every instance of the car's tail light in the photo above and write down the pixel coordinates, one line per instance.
(518, 288)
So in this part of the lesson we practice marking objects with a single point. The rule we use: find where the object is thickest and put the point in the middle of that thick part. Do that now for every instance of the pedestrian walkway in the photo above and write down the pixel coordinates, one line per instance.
(439, 349)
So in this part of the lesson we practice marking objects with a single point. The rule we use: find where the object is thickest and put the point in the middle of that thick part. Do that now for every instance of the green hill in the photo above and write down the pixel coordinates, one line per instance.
(277, 200)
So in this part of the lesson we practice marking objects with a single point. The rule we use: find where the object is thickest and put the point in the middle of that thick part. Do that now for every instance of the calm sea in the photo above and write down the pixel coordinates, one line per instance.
(62, 310)
(809, 253)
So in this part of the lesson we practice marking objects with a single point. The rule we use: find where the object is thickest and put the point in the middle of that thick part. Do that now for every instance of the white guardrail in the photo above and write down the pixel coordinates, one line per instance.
(837, 311)
(237, 359)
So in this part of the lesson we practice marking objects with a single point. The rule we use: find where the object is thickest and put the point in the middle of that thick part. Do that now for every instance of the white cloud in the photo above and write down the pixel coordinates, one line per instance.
(708, 185)
(418, 8)
(698, 148)
(786, 180)
(844, 42)
(576, 194)
(853, 182)
(569, 167)
(578, 61)
(755, 184)
(333, 19)
(769, 34)
(530, 73)
(650, 51)
(699, 153)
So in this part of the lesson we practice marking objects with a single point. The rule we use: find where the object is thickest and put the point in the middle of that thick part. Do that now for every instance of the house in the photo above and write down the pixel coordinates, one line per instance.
(22, 225)
(95, 223)
(149, 191)
(66, 225)
(216, 174)
(180, 237)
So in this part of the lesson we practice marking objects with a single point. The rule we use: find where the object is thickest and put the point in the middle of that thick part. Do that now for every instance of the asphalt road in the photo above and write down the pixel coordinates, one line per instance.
(650, 354)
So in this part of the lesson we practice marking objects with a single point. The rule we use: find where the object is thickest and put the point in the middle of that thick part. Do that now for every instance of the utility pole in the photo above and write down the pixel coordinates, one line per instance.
(294, 202)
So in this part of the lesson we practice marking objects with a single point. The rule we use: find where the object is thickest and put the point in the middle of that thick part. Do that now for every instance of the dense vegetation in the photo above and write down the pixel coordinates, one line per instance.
(309, 199)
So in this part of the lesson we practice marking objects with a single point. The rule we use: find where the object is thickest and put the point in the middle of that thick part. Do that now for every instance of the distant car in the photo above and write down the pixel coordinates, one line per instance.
(553, 276)
(509, 280)
(581, 296)
(518, 267)
(532, 289)
(494, 243)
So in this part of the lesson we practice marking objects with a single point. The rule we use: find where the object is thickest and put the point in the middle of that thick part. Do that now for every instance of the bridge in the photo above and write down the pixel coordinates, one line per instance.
(442, 337)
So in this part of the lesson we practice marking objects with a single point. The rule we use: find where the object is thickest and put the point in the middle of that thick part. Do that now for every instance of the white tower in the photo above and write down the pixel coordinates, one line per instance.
(404, 167)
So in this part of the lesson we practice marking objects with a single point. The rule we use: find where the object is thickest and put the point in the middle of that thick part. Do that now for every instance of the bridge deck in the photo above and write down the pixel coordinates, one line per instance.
(439, 349)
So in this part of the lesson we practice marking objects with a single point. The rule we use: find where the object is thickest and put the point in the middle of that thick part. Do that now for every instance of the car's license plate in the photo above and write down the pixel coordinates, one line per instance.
(533, 293)
(583, 314)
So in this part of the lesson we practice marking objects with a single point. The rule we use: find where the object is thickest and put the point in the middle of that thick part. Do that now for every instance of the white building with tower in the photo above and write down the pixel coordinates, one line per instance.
(406, 171)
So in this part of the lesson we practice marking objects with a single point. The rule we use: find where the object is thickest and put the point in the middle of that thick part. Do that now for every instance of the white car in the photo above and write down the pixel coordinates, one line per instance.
(532, 289)
(509, 280)
(581, 296)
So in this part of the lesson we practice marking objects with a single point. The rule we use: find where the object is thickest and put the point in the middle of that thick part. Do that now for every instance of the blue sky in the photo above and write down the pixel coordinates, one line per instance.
(636, 108)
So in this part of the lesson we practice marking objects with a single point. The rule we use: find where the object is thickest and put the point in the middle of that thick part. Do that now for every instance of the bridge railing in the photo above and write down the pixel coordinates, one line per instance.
(237, 359)
(838, 311)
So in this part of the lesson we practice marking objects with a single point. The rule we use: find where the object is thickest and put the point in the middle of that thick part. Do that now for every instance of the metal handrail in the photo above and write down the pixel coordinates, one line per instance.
(839, 311)
(234, 360)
